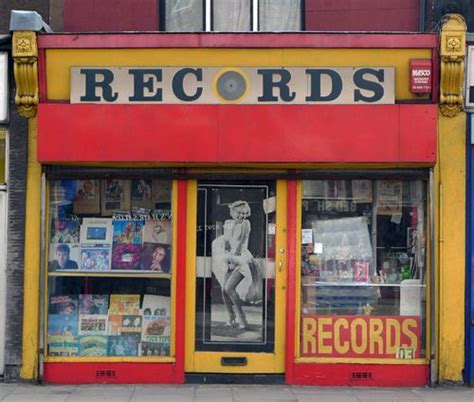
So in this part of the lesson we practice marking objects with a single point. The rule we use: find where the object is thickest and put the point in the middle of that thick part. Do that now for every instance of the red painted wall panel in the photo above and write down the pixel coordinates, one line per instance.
(236, 133)
(376, 375)
(362, 15)
(111, 373)
(110, 15)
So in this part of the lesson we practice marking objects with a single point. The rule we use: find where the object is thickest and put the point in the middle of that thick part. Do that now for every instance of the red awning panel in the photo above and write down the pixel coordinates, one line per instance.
(237, 133)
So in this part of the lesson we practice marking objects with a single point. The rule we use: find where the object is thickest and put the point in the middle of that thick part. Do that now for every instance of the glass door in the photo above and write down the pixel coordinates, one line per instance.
(236, 277)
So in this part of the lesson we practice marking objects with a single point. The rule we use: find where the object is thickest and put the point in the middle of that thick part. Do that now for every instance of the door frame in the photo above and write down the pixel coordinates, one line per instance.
(257, 363)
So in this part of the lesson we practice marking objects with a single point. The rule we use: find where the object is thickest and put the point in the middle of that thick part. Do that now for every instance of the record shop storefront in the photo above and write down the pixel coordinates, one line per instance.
(235, 205)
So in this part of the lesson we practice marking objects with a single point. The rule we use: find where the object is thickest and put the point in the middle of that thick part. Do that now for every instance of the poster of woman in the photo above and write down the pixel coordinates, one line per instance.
(232, 257)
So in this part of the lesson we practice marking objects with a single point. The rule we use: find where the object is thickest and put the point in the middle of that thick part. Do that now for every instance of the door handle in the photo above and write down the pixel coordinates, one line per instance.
(280, 265)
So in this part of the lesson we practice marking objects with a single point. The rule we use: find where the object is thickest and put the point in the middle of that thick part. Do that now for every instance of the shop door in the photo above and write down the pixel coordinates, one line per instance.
(235, 285)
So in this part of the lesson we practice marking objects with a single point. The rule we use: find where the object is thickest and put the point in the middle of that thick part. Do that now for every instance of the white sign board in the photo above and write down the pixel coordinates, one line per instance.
(3, 87)
(233, 85)
(469, 93)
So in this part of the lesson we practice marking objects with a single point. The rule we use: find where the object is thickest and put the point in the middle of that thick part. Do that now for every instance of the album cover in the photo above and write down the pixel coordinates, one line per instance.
(156, 257)
(63, 256)
(123, 345)
(131, 324)
(93, 345)
(159, 348)
(63, 304)
(95, 257)
(161, 190)
(141, 193)
(124, 304)
(96, 231)
(63, 324)
(156, 305)
(128, 232)
(114, 326)
(64, 346)
(115, 196)
(65, 231)
(93, 324)
(157, 231)
(93, 304)
(87, 197)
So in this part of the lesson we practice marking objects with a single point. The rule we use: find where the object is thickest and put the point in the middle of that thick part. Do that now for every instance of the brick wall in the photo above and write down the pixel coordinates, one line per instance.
(15, 247)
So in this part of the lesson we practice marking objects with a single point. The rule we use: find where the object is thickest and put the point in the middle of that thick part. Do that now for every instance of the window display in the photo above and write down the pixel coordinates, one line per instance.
(363, 268)
(109, 268)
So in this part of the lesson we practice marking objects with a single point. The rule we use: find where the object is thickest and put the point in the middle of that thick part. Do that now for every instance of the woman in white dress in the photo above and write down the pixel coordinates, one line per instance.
(231, 261)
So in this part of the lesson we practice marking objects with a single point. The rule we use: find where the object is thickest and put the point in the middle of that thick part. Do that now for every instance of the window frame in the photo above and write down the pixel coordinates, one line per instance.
(208, 17)
(172, 277)
(409, 174)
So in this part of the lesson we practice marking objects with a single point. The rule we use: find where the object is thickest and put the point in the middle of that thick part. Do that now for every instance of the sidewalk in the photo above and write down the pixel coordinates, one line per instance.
(228, 393)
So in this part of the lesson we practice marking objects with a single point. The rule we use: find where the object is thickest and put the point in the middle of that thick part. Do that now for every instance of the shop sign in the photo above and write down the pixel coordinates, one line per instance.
(3, 87)
(244, 85)
(420, 76)
(360, 336)
(470, 78)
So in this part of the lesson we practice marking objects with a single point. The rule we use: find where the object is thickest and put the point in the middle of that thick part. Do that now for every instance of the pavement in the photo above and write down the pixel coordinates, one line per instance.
(229, 393)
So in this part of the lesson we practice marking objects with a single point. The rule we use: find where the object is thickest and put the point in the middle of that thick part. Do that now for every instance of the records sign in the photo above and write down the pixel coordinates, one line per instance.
(233, 85)
(469, 93)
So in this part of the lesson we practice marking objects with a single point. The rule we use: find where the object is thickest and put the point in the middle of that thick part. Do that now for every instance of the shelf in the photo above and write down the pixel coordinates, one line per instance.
(339, 284)
(115, 274)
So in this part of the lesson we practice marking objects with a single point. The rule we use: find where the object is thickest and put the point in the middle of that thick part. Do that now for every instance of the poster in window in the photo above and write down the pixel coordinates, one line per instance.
(141, 194)
(361, 191)
(115, 196)
(235, 308)
(389, 197)
(87, 197)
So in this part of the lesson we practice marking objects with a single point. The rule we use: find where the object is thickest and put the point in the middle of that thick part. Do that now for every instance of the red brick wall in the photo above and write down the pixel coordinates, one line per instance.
(110, 15)
(362, 15)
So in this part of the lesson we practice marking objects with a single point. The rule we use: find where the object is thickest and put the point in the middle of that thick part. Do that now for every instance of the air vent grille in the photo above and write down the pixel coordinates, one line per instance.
(105, 374)
(361, 375)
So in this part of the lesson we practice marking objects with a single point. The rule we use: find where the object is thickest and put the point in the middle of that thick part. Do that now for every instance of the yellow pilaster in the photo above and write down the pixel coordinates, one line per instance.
(25, 57)
(452, 176)
(451, 190)
(29, 369)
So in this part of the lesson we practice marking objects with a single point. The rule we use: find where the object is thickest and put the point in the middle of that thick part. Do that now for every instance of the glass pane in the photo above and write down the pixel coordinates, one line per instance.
(109, 227)
(235, 267)
(91, 316)
(3, 135)
(184, 15)
(363, 268)
(282, 15)
(231, 15)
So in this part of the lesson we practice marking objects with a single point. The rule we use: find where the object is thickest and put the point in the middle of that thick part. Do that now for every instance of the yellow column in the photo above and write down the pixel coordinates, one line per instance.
(451, 181)
(452, 202)
(29, 369)
(25, 56)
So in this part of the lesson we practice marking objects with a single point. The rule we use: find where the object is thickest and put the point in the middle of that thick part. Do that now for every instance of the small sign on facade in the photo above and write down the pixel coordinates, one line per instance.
(3, 87)
(469, 93)
(420, 76)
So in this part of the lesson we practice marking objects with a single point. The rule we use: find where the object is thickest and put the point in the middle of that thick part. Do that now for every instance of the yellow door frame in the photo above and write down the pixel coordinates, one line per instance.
(257, 363)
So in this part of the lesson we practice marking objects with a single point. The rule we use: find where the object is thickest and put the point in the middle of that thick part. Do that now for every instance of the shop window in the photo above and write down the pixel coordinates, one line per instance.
(363, 269)
(3, 137)
(231, 15)
(283, 15)
(110, 268)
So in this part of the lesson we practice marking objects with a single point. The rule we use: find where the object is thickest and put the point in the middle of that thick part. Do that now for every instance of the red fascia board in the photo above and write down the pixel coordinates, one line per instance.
(237, 133)
(242, 40)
